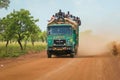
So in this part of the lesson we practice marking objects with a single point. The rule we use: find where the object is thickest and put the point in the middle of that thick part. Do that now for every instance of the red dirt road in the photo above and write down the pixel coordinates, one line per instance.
(38, 67)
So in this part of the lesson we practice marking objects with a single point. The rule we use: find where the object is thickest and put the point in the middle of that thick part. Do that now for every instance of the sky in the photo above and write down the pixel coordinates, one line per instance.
(100, 16)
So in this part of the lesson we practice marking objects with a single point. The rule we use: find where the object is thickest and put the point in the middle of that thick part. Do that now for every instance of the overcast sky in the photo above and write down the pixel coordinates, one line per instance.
(100, 16)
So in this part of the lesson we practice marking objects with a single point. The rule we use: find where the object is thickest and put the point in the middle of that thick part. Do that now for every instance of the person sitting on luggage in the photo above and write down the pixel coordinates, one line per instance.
(68, 15)
(52, 18)
(61, 15)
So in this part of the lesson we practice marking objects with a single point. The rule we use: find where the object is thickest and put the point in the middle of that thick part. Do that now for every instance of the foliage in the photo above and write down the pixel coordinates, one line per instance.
(43, 36)
(13, 49)
(35, 36)
(4, 3)
(18, 25)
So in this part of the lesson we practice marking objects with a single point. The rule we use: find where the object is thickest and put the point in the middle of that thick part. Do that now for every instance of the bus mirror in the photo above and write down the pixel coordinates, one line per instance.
(48, 31)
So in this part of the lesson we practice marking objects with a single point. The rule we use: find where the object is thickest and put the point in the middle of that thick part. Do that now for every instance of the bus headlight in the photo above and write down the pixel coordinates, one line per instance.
(54, 44)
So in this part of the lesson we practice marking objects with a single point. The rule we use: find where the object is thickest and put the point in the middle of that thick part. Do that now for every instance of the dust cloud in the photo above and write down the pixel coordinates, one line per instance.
(92, 44)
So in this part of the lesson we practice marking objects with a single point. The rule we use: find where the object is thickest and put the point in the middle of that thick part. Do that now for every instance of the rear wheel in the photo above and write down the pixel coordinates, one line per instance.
(76, 49)
(49, 54)
(72, 55)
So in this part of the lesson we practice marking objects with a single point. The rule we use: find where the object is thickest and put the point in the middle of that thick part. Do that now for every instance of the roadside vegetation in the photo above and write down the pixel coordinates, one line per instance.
(13, 49)
(19, 33)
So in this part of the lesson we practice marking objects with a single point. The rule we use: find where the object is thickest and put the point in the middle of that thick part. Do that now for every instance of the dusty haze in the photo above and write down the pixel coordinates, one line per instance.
(92, 44)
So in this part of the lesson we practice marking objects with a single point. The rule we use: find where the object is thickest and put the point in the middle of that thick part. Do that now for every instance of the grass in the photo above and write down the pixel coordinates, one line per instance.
(13, 49)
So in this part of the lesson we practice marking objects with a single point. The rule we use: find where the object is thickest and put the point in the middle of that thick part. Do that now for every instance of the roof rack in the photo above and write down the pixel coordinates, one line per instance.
(62, 18)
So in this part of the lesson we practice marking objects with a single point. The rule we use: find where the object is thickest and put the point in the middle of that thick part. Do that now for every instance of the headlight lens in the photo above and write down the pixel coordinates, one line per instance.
(54, 44)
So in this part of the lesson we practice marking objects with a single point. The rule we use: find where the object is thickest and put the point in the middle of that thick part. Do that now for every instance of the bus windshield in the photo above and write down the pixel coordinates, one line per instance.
(60, 30)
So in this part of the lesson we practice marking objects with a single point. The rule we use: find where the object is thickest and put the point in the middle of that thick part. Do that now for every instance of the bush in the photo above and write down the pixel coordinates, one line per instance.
(13, 49)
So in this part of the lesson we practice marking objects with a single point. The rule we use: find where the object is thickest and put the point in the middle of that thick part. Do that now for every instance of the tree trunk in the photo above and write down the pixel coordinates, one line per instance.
(25, 44)
(33, 42)
(7, 43)
(42, 39)
(19, 42)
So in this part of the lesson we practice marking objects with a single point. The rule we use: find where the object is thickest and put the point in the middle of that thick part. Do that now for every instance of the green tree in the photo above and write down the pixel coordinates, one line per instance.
(4, 3)
(43, 36)
(35, 35)
(4, 29)
(20, 26)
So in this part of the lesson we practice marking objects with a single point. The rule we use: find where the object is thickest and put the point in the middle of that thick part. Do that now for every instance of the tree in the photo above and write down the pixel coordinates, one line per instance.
(43, 36)
(4, 29)
(4, 3)
(35, 35)
(21, 25)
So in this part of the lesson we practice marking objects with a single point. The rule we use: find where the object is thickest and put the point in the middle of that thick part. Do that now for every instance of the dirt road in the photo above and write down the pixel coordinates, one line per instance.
(38, 67)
